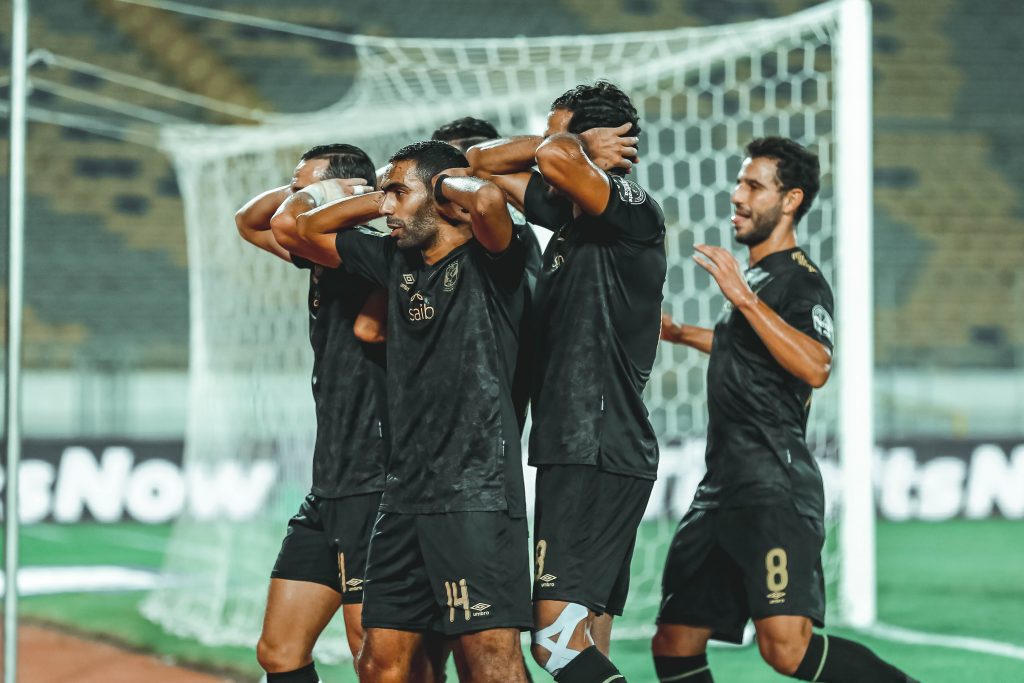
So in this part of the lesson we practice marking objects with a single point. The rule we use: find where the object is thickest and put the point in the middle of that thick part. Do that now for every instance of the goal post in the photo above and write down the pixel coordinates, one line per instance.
(855, 348)
(702, 94)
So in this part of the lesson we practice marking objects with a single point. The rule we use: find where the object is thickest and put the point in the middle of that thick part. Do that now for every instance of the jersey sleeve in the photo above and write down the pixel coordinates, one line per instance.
(366, 252)
(301, 263)
(543, 208)
(633, 212)
(506, 269)
(809, 308)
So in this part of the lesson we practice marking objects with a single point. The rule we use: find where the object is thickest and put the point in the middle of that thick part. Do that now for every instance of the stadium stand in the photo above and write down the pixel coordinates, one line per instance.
(105, 234)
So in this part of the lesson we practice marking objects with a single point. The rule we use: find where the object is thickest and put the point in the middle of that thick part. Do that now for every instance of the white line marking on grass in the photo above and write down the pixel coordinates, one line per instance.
(905, 635)
(55, 580)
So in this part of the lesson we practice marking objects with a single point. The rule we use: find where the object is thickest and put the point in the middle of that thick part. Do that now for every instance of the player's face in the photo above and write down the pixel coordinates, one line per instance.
(308, 172)
(757, 199)
(408, 206)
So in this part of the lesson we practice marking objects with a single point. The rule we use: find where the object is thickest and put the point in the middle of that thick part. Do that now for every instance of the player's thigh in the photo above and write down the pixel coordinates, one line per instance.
(701, 586)
(478, 564)
(397, 593)
(297, 613)
(390, 653)
(353, 616)
(779, 552)
(601, 632)
(493, 655)
(585, 529)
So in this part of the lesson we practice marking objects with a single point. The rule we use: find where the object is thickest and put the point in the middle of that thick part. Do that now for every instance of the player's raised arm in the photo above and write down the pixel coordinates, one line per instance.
(507, 162)
(307, 222)
(805, 358)
(699, 338)
(253, 220)
(564, 162)
(485, 202)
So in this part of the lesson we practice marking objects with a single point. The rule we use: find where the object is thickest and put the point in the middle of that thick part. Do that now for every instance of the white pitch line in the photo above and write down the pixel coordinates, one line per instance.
(911, 637)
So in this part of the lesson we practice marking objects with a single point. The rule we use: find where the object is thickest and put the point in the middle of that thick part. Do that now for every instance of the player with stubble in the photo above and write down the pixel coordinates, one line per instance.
(750, 545)
(450, 551)
(322, 562)
(596, 318)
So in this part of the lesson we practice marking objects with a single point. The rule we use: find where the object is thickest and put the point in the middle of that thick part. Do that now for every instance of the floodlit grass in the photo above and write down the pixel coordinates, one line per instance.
(956, 578)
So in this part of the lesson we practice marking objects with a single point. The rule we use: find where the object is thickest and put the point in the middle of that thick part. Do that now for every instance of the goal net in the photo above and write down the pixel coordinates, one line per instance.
(701, 93)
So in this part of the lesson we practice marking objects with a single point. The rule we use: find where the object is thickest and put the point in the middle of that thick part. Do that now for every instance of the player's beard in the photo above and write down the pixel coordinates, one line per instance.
(764, 226)
(421, 230)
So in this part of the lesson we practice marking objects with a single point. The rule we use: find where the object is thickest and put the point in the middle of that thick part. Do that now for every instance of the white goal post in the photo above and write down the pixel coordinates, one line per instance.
(702, 94)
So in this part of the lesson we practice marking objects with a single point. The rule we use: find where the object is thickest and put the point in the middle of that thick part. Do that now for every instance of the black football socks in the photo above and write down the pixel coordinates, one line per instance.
(683, 669)
(836, 660)
(306, 674)
(590, 666)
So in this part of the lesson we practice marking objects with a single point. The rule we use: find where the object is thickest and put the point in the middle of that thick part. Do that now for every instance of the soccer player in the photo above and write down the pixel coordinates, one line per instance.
(596, 318)
(464, 133)
(750, 545)
(450, 550)
(323, 556)
(468, 131)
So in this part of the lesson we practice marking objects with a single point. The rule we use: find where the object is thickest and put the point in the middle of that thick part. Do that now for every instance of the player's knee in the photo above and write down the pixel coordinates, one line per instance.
(782, 654)
(274, 656)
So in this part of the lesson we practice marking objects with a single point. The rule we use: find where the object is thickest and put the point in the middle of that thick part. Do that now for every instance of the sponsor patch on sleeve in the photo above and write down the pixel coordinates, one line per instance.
(822, 323)
(629, 192)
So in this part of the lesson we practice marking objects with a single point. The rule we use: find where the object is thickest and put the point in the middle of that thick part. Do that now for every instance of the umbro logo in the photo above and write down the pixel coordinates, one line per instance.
(408, 278)
(776, 598)
(548, 577)
(547, 580)
(354, 583)
(479, 607)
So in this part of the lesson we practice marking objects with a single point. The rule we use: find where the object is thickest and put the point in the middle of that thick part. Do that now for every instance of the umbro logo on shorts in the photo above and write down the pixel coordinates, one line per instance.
(354, 584)
(776, 598)
(547, 580)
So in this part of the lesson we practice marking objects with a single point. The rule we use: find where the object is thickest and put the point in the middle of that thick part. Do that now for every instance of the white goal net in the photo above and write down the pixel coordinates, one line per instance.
(701, 93)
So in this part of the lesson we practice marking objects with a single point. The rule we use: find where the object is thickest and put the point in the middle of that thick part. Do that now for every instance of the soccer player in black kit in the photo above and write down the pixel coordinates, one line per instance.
(323, 557)
(449, 552)
(750, 545)
(596, 318)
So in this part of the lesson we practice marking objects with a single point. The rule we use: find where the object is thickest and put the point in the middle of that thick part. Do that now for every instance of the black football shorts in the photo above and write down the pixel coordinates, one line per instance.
(327, 543)
(585, 525)
(451, 573)
(728, 565)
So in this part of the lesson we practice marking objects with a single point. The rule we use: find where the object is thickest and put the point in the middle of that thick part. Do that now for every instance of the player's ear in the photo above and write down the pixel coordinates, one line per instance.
(793, 199)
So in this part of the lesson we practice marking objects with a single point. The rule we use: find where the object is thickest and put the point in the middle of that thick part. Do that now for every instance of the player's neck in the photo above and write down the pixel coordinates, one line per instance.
(781, 239)
(448, 239)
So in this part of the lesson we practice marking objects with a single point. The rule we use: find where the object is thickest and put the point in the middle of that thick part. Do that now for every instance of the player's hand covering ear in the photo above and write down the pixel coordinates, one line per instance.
(445, 207)
(610, 148)
(726, 270)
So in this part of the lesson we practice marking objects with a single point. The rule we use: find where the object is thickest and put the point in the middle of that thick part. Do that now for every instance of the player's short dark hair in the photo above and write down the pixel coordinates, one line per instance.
(431, 157)
(601, 105)
(344, 161)
(465, 132)
(796, 167)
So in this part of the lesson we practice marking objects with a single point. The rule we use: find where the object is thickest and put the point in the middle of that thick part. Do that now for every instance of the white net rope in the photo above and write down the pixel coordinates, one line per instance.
(701, 93)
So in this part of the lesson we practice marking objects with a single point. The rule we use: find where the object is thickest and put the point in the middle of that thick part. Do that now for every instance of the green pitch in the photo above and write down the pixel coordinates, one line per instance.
(955, 578)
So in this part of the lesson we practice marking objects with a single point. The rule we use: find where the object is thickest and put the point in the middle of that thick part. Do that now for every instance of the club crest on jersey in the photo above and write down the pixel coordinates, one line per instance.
(629, 192)
(822, 323)
(451, 276)
(420, 309)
